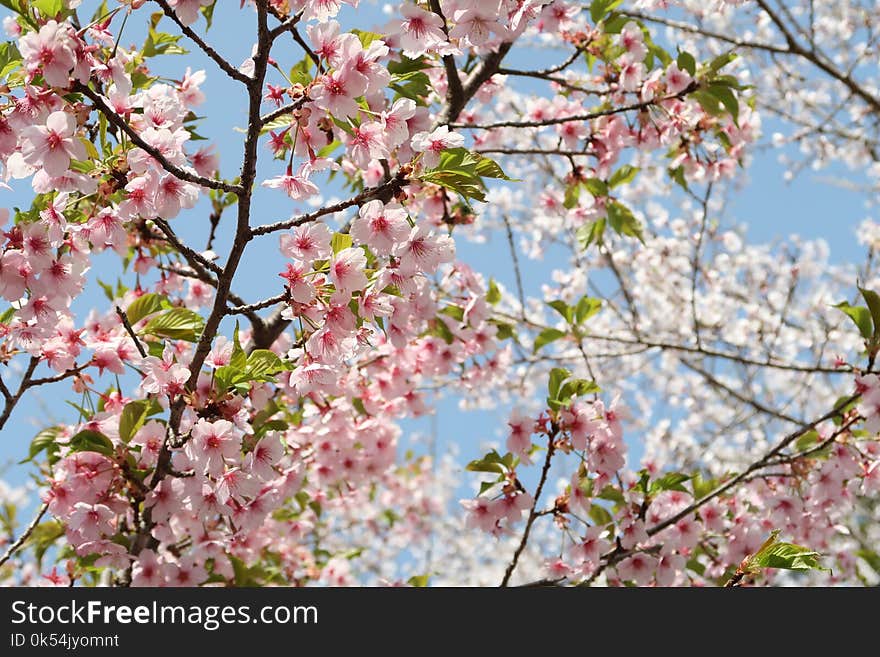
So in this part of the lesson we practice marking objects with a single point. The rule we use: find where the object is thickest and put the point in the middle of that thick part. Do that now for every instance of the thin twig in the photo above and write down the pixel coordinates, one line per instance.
(128, 328)
(16, 546)
(122, 124)
(224, 64)
(533, 512)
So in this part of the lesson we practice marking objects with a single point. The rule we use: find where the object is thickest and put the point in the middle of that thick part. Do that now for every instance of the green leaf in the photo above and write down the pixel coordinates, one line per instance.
(622, 176)
(860, 315)
(612, 494)
(727, 98)
(457, 171)
(600, 515)
(590, 233)
(340, 241)
(806, 441)
(686, 62)
(491, 462)
(545, 337)
(263, 363)
(162, 43)
(572, 196)
(91, 441)
(701, 486)
(366, 38)
(419, 581)
(721, 61)
(10, 58)
(595, 186)
(671, 481)
(504, 331)
(144, 305)
(488, 168)
(586, 308)
(406, 65)
(600, 8)
(441, 329)
(557, 376)
(623, 221)
(43, 441)
(455, 312)
(577, 388)
(787, 556)
(134, 415)
(44, 536)
(871, 558)
(566, 311)
(238, 358)
(677, 175)
(710, 103)
(176, 324)
(48, 8)
(873, 300)
(208, 13)
(493, 294)
(358, 404)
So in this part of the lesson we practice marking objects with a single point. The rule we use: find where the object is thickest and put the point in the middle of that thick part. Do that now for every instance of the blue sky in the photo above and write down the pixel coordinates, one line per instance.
(771, 207)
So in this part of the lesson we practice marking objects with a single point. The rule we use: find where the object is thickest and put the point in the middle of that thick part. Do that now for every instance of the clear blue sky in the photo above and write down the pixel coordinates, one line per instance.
(771, 208)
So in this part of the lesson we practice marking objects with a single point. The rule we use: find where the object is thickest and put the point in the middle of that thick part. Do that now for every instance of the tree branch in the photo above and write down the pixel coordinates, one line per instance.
(533, 513)
(16, 546)
(224, 64)
(138, 141)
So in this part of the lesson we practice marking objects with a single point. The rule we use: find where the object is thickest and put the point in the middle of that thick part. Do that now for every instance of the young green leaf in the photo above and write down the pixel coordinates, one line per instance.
(176, 324)
(91, 441)
(545, 337)
(860, 315)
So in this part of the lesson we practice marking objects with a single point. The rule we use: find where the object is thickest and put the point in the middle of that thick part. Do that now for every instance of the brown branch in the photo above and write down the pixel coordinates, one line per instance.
(384, 192)
(193, 257)
(224, 64)
(454, 89)
(128, 328)
(533, 512)
(13, 399)
(16, 546)
(284, 109)
(242, 236)
(251, 307)
(481, 73)
(643, 105)
(740, 397)
(764, 461)
(810, 54)
(138, 141)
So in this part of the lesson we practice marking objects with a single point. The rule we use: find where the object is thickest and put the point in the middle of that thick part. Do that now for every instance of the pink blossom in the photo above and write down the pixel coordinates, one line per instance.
(431, 144)
(420, 30)
(51, 52)
(212, 445)
(295, 186)
(380, 227)
(423, 251)
(52, 146)
(308, 242)
(336, 92)
(347, 270)
(188, 10)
